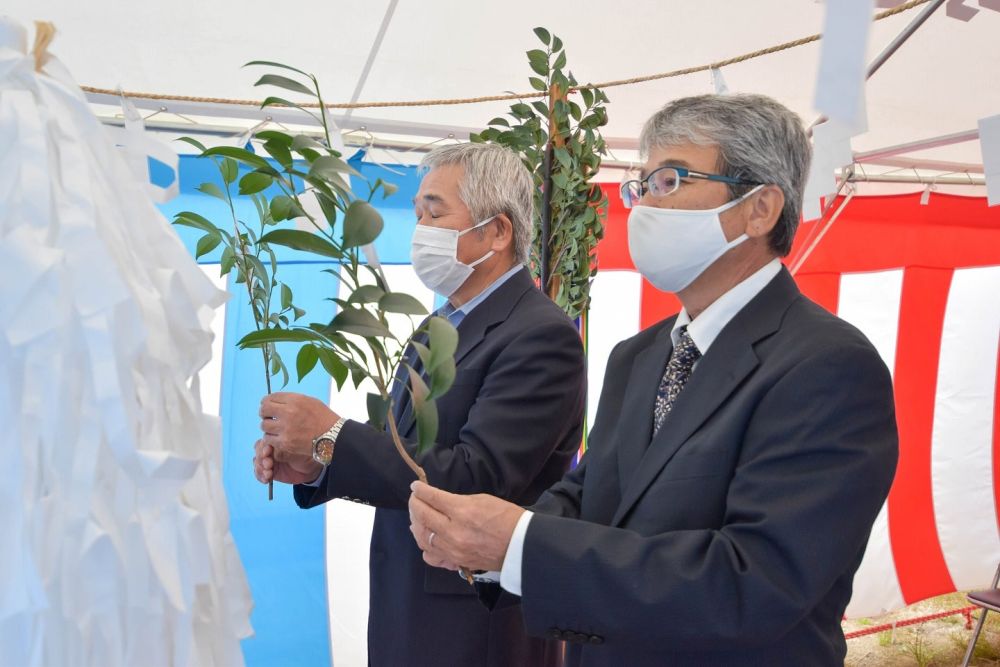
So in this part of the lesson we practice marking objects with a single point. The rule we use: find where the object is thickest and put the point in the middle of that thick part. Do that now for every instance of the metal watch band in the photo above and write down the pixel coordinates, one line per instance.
(331, 437)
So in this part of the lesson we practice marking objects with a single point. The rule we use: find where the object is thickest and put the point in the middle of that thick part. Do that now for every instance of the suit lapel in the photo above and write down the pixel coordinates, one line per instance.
(471, 331)
(635, 427)
(728, 362)
(492, 311)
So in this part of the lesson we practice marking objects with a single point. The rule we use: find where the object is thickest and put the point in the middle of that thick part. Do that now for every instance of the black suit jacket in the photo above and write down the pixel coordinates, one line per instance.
(733, 537)
(508, 426)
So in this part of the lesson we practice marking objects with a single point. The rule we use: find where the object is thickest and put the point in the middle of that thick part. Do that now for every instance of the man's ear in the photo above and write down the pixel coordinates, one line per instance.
(503, 234)
(763, 210)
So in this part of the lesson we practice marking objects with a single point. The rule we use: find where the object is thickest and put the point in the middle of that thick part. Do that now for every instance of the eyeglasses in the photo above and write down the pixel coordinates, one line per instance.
(665, 180)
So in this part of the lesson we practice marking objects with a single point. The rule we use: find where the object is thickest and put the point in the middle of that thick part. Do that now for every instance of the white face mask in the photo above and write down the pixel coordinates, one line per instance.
(671, 247)
(434, 254)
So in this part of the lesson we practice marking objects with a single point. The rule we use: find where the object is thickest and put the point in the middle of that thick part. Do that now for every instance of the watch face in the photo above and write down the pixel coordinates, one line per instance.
(323, 451)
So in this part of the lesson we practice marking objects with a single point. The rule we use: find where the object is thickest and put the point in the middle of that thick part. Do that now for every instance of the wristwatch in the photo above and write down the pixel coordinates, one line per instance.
(323, 445)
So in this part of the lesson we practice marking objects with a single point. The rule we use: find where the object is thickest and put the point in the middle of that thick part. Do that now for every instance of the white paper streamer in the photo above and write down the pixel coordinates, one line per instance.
(842, 69)
(989, 142)
(719, 82)
(117, 548)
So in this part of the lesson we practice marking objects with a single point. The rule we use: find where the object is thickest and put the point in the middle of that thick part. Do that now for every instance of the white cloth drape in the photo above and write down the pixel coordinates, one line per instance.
(116, 542)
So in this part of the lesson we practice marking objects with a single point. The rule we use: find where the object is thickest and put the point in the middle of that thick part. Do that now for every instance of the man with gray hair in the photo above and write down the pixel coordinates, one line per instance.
(741, 450)
(509, 425)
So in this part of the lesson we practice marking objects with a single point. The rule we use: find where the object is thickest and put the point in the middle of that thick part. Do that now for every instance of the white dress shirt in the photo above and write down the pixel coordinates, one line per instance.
(703, 331)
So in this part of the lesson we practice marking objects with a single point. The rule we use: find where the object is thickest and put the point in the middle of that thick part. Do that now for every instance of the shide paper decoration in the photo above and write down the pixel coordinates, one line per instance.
(117, 549)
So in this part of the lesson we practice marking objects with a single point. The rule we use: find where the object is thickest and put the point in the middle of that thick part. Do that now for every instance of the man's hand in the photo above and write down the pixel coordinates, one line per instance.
(289, 423)
(471, 531)
(295, 471)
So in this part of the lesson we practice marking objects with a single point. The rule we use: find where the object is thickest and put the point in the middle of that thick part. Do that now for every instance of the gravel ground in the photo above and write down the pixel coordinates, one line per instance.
(937, 643)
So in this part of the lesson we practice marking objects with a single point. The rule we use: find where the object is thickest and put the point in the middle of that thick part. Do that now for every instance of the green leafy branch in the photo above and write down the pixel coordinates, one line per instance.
(358, 342)
(560, 142)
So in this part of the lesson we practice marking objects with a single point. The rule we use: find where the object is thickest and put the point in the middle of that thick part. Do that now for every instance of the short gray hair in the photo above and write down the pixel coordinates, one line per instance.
(495, 181)
(759, 140)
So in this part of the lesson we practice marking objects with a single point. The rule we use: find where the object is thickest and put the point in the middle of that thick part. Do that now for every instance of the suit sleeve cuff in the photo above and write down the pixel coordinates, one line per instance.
(510, 573)
(318, 482)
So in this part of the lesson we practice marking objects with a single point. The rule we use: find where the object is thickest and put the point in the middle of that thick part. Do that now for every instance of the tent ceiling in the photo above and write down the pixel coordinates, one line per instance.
(940, 82)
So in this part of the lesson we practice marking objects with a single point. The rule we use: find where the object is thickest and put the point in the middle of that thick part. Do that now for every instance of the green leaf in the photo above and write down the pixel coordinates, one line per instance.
(280, 207)
(329, 206)
(279, 152)
(273, 136)
(267, 336)
(362, 224)
(588, 97)
(398, 302)
(389, 189)
(560, 61)
(190, 219)
(301, 141)
(280, 101)
(269, 63)
(284, 82)
(366, 294)
(227, 261)
(241, 155)
(207, 244)
(521, 110)
(302, 240)
(333, 365)
(543, 35)
(378, 409)
(192, 141)
(556, 44)
(306, 360)
(230, 169)
(425, 410)
(442, 378)
(255, 182)
(286, 296)
(213, 190)
(442, 339)
(329, 166)
(539, 62)
(422, 351)
(359, 322)
(537, 83)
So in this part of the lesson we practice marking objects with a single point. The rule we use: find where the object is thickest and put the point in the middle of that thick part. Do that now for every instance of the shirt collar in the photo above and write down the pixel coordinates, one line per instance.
(452, 313)
(709, 324)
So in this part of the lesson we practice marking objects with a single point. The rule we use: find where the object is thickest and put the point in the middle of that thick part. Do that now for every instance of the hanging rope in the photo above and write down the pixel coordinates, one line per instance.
(515, 96)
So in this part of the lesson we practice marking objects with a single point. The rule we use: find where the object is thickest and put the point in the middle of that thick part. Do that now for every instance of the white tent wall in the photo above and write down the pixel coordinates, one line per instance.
(941, 81)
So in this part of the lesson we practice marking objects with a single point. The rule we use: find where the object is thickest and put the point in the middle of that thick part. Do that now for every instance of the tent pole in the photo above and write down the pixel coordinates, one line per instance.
(376, 45)
(918, 21)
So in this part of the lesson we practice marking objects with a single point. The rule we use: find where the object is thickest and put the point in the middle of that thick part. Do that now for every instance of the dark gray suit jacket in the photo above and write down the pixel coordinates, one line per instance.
(733, 537)
(509, 426)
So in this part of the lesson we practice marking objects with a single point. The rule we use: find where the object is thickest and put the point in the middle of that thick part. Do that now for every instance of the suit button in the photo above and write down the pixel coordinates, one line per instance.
(553, 633)
(595, 640)
(579, 637)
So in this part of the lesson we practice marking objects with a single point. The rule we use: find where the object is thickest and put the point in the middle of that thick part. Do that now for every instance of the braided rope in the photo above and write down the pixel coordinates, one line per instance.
(512, 96)
(875, 629)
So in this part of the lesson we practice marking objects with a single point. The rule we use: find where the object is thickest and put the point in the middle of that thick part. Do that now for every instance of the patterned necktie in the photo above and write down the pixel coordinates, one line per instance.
(676, 375)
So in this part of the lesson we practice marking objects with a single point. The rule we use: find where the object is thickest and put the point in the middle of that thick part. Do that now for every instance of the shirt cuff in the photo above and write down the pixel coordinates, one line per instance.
(318, 482)
(510, 573)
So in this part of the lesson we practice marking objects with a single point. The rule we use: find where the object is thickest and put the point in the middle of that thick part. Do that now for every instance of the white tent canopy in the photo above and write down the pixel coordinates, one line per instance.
(940, 82)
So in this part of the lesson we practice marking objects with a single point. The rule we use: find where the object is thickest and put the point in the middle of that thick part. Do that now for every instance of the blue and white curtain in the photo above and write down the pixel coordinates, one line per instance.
(307, 569)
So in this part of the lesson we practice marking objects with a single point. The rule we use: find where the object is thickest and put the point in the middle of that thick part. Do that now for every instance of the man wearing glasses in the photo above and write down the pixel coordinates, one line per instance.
(741, 450)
